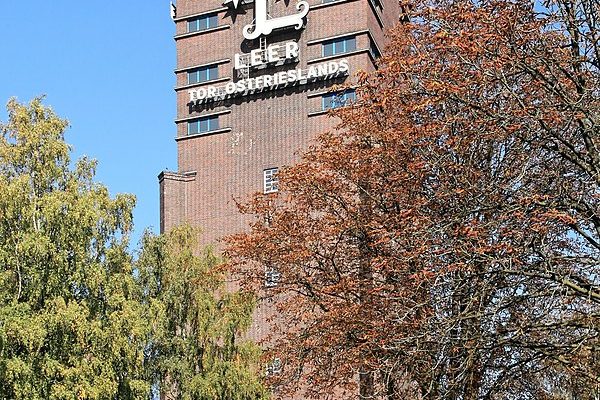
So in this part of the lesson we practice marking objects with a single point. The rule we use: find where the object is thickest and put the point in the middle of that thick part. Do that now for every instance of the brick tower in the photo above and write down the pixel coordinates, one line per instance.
(254, 85)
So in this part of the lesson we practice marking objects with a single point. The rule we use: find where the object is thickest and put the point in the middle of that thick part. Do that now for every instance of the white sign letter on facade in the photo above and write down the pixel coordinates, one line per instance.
(273, 53)
(238, 62)
(292, 50)
(256, 57)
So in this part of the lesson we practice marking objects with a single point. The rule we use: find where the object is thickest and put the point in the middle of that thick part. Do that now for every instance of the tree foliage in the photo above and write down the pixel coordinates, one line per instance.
(70, 321)
(79, 317)
(197, 349)
(444, 242)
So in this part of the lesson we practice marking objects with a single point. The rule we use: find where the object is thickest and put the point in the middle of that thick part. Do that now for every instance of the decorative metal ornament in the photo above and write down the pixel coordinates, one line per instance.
(263, 25)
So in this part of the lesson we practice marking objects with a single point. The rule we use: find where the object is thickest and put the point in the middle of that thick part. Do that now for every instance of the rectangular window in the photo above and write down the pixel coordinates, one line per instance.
(271, 181)
(274, 367)
(203, 74)
(203, 22)
(203, 125)
(374, 50)
(377, 4)
(338, 46)
(272, 277)
(338, 99)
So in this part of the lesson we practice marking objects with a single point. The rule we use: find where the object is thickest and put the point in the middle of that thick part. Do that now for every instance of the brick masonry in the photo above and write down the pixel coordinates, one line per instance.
(261, 130)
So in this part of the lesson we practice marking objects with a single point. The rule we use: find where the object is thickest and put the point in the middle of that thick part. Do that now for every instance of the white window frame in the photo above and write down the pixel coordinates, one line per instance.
(339, 45)
(212, 121)
(270, 180)
(203, 74)
(333, 100)
(272, 277)
(274, 367)
(203, 22)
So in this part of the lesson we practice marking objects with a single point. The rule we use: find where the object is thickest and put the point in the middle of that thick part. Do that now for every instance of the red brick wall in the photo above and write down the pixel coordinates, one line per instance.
(266, 130)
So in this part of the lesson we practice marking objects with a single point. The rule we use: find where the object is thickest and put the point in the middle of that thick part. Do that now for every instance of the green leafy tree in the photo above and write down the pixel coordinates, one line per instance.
(197, 350)
(79, 318)
(71, 323)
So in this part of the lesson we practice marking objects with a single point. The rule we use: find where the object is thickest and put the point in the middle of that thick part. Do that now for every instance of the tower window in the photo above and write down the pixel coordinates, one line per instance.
(274, 367)
(374, 50)
(203, 125)
(377, 4)
(338, 99)
(270, 180)
(203, 22)
(339, 46)
(203, 74)
(272, 277)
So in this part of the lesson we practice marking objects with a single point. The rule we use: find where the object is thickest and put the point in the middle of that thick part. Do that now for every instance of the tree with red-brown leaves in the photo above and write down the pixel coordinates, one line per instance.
(444, 241)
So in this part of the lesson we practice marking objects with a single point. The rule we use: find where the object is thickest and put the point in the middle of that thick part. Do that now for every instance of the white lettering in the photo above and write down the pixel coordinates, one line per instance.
(301, 75)
(313, 72)
(256, 57)
(241, 61)
(283, 77)
(344, 67)
(273, 53)
(323, 69)
(268, 82)
(259, 57)
(291, 50)
(333, 67)
(292, 75)
(230, 88)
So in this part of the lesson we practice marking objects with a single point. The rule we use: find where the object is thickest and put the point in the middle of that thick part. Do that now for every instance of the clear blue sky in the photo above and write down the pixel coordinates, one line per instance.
(106, 66)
